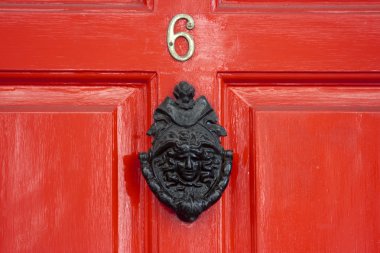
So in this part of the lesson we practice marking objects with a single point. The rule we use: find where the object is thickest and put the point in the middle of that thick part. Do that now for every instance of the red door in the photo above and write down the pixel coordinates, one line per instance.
(296, 84)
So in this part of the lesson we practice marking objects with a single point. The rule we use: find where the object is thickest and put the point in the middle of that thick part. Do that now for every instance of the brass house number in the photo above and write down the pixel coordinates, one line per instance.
(172, 37)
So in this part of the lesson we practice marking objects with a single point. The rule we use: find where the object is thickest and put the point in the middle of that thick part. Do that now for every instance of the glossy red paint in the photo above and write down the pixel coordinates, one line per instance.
(295, 83)
(68, 151)
(308, 155)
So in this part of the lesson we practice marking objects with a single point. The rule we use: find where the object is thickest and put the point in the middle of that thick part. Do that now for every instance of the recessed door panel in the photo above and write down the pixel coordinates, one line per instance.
(68, 151)
(308, 164)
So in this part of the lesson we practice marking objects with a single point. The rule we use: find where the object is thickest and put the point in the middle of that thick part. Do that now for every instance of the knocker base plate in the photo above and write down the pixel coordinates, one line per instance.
(186, 167)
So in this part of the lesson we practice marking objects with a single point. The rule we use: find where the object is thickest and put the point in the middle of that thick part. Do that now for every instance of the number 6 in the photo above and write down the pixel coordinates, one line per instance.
(173, 36)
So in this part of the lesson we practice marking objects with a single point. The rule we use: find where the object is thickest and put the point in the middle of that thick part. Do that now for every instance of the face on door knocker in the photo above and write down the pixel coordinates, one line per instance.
(186, 167)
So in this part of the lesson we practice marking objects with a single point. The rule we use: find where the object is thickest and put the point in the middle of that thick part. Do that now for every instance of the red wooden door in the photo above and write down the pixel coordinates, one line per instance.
(295, 83)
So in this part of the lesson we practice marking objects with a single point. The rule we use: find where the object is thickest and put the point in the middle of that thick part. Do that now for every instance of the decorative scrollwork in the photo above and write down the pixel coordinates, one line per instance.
(186, 168)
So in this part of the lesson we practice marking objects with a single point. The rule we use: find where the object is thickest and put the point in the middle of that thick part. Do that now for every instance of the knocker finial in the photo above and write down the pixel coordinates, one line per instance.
(184, 93)
(186, 167)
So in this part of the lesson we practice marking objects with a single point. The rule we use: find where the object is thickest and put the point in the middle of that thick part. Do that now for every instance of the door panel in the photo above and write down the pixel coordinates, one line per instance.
(68, 149)
(319, 183)
(33, 6)
(308, 154)
(81, 179)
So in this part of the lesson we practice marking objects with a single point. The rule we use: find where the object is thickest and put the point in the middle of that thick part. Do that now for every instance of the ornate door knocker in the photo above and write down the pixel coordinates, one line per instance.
(186, 167)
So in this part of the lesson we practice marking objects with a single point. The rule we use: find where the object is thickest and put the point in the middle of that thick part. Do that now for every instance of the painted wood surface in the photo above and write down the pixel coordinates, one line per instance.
(69, 147)
(295, 83)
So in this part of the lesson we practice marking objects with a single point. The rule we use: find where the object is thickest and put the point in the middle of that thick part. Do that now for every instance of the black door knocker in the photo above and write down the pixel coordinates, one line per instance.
(186, 167)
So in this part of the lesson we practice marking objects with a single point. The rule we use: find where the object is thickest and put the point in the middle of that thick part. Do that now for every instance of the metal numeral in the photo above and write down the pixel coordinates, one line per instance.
(171, 38)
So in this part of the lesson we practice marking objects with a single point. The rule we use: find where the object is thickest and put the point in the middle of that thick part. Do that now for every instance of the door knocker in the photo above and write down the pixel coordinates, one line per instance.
(186, 167)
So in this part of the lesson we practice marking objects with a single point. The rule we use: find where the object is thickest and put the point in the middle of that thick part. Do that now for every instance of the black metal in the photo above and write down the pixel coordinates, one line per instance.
(186, 167)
